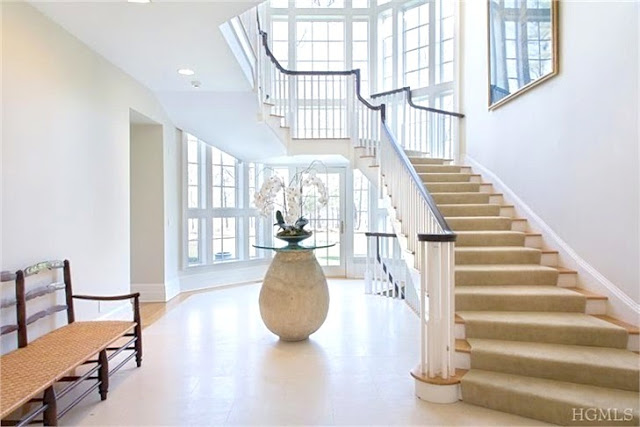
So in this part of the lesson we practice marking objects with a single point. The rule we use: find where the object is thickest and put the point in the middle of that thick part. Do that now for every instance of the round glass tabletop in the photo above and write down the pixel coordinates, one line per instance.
(290, 248)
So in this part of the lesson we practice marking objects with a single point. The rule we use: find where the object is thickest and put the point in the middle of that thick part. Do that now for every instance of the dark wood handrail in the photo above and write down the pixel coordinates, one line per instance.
(447, 234)
(265, 43)
(378, 234)
(407, 89)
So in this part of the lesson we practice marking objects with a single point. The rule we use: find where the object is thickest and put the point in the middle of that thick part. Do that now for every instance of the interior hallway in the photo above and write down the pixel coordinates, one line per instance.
(209, 360)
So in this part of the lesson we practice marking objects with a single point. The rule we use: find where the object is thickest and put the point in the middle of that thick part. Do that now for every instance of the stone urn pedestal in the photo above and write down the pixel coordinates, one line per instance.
(294, 299)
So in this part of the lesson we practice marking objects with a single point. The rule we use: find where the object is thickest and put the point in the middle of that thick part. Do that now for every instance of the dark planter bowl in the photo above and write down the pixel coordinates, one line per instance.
(294, 241)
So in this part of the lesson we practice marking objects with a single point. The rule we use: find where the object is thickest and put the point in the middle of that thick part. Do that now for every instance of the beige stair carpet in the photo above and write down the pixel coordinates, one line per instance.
(534, 351)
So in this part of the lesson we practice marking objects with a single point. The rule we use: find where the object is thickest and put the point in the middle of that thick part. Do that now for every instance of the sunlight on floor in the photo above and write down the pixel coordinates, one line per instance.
(210, 360)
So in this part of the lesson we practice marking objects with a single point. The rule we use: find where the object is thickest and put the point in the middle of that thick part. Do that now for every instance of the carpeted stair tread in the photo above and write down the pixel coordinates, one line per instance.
(549, 327)
(469, 210)
(518, 298)
(458, 177)
(437, 168)
(460, 198)
(505, 274)
(497, 255)
(427, 161)
(490, 238)
(544, 399)
(598, 366)
(478, 223)
(452, 187)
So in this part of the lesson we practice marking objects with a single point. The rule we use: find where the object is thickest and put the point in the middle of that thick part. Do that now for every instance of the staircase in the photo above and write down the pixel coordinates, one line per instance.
(535, 344)
(503, 326)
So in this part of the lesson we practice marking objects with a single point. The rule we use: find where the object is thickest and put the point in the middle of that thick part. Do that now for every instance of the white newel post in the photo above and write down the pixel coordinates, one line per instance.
(435, 377)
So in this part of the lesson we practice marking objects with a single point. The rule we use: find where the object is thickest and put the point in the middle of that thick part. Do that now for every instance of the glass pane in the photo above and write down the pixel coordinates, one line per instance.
(360, 4)
(193, 253)
(320, 31)
(280, 30)
(361, 31)
(192, 197)
(360, 51)
(216, 195)
(193, 172)
(229, 197)
(336, 31)
(192, 150)
(359, 244)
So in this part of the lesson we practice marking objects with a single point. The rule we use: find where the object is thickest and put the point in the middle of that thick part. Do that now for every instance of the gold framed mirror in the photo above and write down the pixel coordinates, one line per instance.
(522, 46)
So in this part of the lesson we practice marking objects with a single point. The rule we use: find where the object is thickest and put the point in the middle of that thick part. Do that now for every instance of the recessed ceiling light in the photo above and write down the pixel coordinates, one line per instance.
(196, 84)
(139, 1)
(186, 72)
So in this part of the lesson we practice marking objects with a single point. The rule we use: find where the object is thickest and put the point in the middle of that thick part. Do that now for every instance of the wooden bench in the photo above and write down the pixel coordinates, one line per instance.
(29, 373)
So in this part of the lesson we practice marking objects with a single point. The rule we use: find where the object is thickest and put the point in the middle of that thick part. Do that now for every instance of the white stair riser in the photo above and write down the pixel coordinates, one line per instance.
(509, 212)
(462, 360)
(568, 280)
(596, 306)
(519, 225)
(486, 188)
(549, 260)
(458, 331)
(533, 242)
(496, 199)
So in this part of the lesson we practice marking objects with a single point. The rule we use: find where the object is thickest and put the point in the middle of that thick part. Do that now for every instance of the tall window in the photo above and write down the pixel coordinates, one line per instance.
(360, 53)
(445, 41)
(224, 182)
(320, 45)
(416, 46)
(222, 223)
(385, 49)
(280, 40)
(193, 168)
(361, 189)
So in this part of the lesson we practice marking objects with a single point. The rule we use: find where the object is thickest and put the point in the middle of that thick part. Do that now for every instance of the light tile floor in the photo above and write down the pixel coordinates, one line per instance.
(211, 361)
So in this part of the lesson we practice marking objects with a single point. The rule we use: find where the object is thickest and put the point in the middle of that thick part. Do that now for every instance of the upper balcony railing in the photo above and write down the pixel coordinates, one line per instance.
(419, 128)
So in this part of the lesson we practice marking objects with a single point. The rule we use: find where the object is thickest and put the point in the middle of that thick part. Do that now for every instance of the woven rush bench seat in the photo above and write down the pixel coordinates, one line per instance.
(30, 370)
(36, 379)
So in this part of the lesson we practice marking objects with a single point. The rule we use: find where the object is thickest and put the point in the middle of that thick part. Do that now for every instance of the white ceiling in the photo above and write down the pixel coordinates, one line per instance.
(151, 41)
(228, 120)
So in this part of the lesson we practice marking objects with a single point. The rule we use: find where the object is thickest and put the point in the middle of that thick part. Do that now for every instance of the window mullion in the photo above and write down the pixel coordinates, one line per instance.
(433, 41)
(208, 221)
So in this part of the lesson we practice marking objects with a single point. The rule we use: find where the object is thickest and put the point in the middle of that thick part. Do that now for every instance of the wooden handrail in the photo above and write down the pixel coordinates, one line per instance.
(447, 234)
(407, 89)
(356, 72)
(377, 234)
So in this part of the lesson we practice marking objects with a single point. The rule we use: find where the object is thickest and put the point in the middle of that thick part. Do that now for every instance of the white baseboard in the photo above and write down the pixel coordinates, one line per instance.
(620, 305)
(218, 278)
(150, 292)
(172, 288)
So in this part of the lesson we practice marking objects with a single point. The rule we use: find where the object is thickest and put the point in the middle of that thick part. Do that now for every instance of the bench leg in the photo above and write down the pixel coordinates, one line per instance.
(51, 413)
(103, 374)
(137, 330)
(138, 344)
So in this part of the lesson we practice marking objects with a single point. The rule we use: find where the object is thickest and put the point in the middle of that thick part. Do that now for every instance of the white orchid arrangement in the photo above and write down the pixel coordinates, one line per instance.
(290, 217)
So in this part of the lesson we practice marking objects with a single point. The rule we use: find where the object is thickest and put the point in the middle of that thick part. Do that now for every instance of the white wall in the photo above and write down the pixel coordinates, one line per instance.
(147, 209)
(569, 148)
(65, 155)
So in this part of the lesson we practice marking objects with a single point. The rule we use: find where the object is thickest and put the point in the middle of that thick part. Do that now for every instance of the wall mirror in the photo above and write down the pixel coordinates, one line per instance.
(523, 46)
